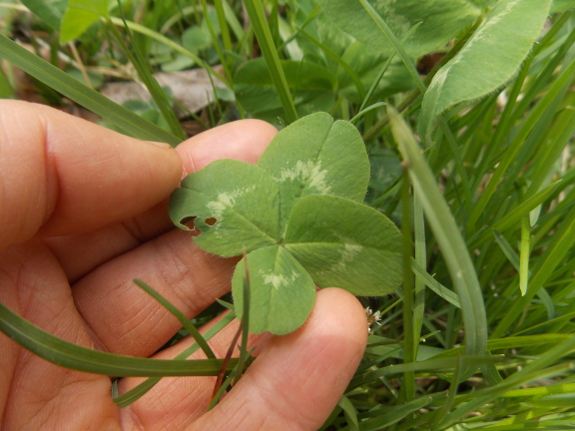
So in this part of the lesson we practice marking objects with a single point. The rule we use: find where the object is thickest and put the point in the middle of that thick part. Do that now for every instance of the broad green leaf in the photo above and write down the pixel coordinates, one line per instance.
(311, 85)
(505, 38)
(195, 39)
(441, 21)
(50, 12)
(80, 15)
(562, 5)
(282, 292)
(345, 244)
(367, 63)
(483, 3)
(234, 205)
(316, 155)
(350, 413)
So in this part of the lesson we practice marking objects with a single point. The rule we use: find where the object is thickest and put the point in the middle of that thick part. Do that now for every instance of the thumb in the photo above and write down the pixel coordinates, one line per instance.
(297, 380)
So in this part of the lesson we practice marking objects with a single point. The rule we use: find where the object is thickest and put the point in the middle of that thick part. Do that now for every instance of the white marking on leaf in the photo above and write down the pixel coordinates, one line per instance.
(275, 280)
(278, 280)
(307, 172)
(348, 254)
(217, 208)
(225, 201)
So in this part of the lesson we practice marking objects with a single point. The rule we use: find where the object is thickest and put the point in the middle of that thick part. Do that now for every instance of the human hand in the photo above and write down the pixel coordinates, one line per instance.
(83, 212)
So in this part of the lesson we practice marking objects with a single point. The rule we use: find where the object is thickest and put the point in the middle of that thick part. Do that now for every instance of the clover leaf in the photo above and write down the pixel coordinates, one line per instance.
(299, 216)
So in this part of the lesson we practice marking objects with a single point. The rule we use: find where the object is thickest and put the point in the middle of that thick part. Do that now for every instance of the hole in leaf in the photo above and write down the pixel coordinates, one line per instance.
(189, 223)
(210, 221)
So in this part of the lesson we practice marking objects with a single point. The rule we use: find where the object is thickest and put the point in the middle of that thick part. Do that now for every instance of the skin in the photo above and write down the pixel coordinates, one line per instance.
(83, 211)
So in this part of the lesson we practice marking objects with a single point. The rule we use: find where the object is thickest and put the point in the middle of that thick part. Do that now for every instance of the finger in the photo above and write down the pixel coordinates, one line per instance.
(122, 318)
(175, 401)
(241, 140)
(294, 384)
(62, 174)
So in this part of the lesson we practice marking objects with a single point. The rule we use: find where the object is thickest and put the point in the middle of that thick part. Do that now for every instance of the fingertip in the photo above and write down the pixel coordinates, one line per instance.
(243, 140)
(64, 175)
(334, 301)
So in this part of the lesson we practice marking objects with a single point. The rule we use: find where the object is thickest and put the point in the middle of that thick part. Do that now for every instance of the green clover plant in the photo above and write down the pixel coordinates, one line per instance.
(299, 216)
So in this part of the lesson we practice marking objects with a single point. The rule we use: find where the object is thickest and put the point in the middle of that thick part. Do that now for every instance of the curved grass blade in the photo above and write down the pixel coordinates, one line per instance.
(435, 285)
(448, 237)
(188, 326)
(366, 110)
(72, 356)
(350, 413)
(60, 81)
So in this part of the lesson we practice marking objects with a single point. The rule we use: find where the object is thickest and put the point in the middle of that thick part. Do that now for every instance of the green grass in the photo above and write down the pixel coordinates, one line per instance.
(489, 205)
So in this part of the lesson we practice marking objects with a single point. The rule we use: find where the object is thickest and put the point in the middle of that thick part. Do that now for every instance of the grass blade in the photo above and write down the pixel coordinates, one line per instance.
(136, 393)
(398, 413)
(409, 341)
(83, 95)
(512, 218)
(564, 80)
(244, 323)
(188, 326)
(524, 255)
(407, 60)
(528, 373)
(435, 285)
(448, 237)
(72, 356)
(137, 59)
(173, 45)
(263, 34)
(563, 240)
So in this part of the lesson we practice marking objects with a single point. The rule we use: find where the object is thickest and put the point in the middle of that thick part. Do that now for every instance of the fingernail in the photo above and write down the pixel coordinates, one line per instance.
(159, 144)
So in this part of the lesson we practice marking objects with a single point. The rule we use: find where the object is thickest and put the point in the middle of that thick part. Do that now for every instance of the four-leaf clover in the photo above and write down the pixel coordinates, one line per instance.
(299, 215)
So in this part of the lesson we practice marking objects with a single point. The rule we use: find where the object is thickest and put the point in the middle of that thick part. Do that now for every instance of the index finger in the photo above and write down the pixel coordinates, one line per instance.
(60, 174)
